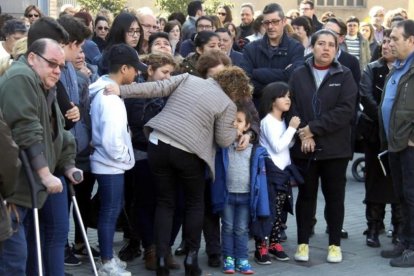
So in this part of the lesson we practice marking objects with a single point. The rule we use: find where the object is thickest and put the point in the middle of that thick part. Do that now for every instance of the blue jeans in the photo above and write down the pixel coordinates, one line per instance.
(13, 254)
(235, 226)
(111, 196)
(54, 229)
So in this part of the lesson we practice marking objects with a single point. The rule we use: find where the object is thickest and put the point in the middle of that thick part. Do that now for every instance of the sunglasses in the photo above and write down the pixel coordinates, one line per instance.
(52, 64)
(222, 13)
(102, 28)
(33, 15)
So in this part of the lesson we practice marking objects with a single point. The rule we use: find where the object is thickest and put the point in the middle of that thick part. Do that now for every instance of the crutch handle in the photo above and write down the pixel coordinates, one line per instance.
(77, 176)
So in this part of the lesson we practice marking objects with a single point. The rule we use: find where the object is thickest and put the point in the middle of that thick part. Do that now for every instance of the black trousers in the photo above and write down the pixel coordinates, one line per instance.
(211, 225)
(402, 172)
(332, 174)
(172, 167)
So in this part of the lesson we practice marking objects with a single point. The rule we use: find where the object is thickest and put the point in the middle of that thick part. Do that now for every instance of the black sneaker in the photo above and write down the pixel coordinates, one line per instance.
(397, 251)
(214, 260)
(276, 249)
(70, 258)
(83, 252)
(261, 255)
(180, 251)
(405, 260)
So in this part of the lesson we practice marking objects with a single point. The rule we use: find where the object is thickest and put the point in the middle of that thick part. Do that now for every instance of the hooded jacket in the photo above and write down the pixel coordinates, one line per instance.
(113, 153)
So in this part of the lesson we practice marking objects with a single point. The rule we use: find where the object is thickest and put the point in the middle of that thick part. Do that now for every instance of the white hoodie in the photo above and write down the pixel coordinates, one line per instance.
(113, 152)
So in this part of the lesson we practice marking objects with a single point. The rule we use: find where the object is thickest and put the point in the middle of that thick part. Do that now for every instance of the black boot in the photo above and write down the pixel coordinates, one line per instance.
(191, 264)
(162, 267)
(372, 237)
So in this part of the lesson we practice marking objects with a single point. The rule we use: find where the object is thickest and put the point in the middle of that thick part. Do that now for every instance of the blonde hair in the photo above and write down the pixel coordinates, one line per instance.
(19, 48)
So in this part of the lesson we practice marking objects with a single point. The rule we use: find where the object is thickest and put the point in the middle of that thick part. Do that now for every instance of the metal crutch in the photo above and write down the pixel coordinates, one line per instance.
(32, 183)
(77, 176)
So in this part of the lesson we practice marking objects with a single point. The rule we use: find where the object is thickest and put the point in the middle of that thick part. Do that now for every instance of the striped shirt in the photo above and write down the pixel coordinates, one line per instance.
(353, 45)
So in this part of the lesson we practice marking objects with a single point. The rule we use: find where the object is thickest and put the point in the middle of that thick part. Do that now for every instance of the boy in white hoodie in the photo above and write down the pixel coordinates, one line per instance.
(113, 153)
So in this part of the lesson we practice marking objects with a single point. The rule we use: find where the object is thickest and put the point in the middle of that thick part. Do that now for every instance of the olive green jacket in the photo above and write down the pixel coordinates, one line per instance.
(37, 127)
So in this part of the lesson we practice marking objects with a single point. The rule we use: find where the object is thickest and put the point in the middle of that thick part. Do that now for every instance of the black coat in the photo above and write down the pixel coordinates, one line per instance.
(329, 110)
(378, 188)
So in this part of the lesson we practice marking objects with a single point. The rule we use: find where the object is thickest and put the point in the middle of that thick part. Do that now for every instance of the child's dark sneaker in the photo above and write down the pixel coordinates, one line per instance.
(261, 255)
(243, 266)
(276, 249)
(82, 251)
(228, 265)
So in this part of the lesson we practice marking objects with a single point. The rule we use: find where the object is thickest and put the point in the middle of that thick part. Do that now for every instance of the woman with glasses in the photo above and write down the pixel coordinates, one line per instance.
(224, 14)
(101, 32)
(125, 29)
(324, 95)
(33, 13)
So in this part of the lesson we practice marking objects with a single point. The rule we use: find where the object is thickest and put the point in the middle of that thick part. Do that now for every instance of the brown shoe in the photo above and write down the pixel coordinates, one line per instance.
(150, 258)
(171, 262)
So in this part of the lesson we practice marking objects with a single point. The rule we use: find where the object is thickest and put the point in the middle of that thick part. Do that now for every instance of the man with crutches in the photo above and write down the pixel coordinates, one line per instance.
(30, 109)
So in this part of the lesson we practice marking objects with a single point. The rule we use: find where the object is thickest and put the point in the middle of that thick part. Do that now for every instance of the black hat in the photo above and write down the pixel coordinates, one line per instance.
(124, 54)
(156, 35)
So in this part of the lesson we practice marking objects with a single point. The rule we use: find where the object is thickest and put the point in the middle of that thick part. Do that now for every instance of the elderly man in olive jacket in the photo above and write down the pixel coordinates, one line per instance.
(30, 109)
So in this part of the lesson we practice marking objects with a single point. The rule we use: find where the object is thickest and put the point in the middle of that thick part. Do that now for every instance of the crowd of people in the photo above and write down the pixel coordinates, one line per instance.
(191, 122)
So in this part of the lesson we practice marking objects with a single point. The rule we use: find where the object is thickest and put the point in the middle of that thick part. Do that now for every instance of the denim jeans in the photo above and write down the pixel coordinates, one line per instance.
(13, 254)
(111, 196)
(402, 172)
(235, 226)
(54, 229)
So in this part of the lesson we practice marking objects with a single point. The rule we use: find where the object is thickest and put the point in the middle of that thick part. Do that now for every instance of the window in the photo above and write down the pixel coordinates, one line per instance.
(341, 3)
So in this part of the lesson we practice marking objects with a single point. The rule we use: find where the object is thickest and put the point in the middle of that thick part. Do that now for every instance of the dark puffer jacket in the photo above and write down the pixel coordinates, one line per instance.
(265, 64)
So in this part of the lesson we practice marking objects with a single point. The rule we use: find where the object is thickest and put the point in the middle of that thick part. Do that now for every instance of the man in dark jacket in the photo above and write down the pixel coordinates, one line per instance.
(307, 8)
(396, 129)
(275, 56)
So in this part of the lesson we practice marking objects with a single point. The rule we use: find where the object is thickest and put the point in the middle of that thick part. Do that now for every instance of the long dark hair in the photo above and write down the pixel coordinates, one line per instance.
(270, 93)
(120, 27)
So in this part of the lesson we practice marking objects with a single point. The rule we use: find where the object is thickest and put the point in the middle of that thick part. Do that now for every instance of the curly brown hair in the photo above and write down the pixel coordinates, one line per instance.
(235, 83)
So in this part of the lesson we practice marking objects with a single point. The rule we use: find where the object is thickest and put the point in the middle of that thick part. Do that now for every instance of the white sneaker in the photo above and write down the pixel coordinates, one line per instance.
(334, 254)
(112, 269)
(120, 263)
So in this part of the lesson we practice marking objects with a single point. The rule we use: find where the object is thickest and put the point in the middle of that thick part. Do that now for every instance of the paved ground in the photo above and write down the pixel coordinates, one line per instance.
(358, 258)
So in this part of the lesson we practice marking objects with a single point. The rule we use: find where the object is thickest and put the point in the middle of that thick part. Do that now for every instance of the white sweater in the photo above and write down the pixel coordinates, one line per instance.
(277, 140)
(111, 140)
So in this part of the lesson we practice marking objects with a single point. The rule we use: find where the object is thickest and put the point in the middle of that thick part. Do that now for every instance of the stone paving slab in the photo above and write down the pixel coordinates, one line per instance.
(359, 259)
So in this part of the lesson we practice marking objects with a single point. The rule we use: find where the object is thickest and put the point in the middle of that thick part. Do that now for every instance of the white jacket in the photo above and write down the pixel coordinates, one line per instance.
(113, 152)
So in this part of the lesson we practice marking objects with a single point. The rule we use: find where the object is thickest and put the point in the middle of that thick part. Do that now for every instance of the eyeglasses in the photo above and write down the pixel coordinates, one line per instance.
(52, 64)
(33, 15)
(222, 13)
(154, 27)
(273, 22)
(205, 27)
(102, 28)
(132, 32)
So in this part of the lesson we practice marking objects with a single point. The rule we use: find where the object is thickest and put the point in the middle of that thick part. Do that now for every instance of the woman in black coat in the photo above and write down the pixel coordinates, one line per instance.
(324, 97)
